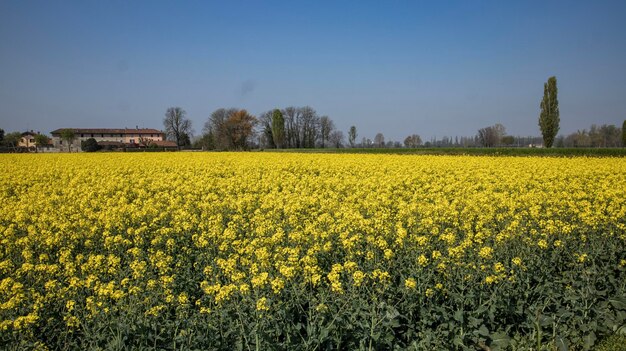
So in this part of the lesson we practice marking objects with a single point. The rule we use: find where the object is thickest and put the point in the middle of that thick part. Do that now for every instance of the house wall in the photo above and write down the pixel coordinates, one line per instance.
(27, 141)
(127, 138)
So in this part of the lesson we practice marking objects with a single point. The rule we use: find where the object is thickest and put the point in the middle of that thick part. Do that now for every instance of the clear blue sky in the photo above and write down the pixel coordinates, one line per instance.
(397, 67)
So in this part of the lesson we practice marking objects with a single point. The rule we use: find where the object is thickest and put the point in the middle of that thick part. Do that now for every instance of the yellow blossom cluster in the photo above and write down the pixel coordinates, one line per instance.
(87, 235)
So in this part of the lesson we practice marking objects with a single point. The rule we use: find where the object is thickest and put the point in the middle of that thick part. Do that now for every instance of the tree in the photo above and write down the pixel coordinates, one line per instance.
(352, 135)
(336, 139)
(216, 126)
(68, 136)
(309, 126)
(549, 117)
(41, 140)
(507, 140)
(89, 145)
(206, 142)
(412, 141)
(185, 140)
(177, 125)
(500, 131)
(379, 140)
(326, 127)
(278, 129)
(12, 140)
(266, 137)
(240, 127)
(487, 136)
(1, 136)
(624, 134)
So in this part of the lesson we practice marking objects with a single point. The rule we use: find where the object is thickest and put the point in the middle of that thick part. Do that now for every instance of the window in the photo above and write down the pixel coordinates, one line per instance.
(92, 135)
(102, 135)
(82, 135)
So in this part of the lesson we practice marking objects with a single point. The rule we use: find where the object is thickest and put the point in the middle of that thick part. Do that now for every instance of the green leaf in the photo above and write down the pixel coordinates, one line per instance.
(458, 316)
(590, 340)
(618, 303)
(458, 341)
(500, 339)
(561, 343)
(483, 331)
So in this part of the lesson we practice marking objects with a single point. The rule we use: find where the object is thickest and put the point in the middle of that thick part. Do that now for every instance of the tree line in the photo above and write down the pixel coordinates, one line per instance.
(236, 129)
(302, 127)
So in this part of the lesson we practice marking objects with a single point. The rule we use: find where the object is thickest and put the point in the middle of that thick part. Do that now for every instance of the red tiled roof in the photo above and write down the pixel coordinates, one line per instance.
(109, 131)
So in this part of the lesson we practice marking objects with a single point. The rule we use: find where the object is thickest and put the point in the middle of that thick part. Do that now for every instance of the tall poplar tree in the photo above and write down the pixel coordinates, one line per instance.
(278, 128)
(549, 116)
(352, 136)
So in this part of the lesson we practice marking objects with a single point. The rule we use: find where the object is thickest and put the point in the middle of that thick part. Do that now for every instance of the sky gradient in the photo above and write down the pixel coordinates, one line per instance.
(439, 68)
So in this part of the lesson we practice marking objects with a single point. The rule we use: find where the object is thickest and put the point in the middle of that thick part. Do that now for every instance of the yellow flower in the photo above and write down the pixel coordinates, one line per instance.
(410, 284)
(542, 244)
(358, 278)
(262, 305)
(485, 252)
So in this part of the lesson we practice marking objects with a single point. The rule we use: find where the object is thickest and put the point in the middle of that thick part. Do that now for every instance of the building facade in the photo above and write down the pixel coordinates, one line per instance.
(127, 137)
(28, 139)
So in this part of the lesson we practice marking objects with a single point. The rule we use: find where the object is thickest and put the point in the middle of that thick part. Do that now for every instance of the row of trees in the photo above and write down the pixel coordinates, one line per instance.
(300, 127)
(606, 135)
(236, 129)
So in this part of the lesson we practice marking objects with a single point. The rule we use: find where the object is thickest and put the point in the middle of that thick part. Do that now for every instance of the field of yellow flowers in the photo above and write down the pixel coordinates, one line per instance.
(310, 251)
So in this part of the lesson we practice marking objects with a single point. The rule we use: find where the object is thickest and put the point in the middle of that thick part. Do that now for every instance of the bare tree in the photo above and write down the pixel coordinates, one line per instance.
(216, 127)
(413, 141)
(326, 127)
(309, 126)
(292, 126)
(267, 133)
(336, 139)
(379, 140)
(177, 125)
(487, 136)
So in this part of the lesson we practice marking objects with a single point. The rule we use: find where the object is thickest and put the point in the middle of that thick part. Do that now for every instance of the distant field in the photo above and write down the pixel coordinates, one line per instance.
(497, 151)
(289, 251)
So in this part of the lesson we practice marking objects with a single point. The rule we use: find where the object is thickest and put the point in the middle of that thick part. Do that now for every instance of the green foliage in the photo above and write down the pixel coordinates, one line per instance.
(549, 117)
(68, 136)
(613, 343)
(12, 139)
(41, 140)
(278, 128)
(206, 142)
(89, 145)
(507, 140)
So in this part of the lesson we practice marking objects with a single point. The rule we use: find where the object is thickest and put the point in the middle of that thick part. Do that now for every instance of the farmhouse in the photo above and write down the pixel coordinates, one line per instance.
(28, 139)
(126, 137)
